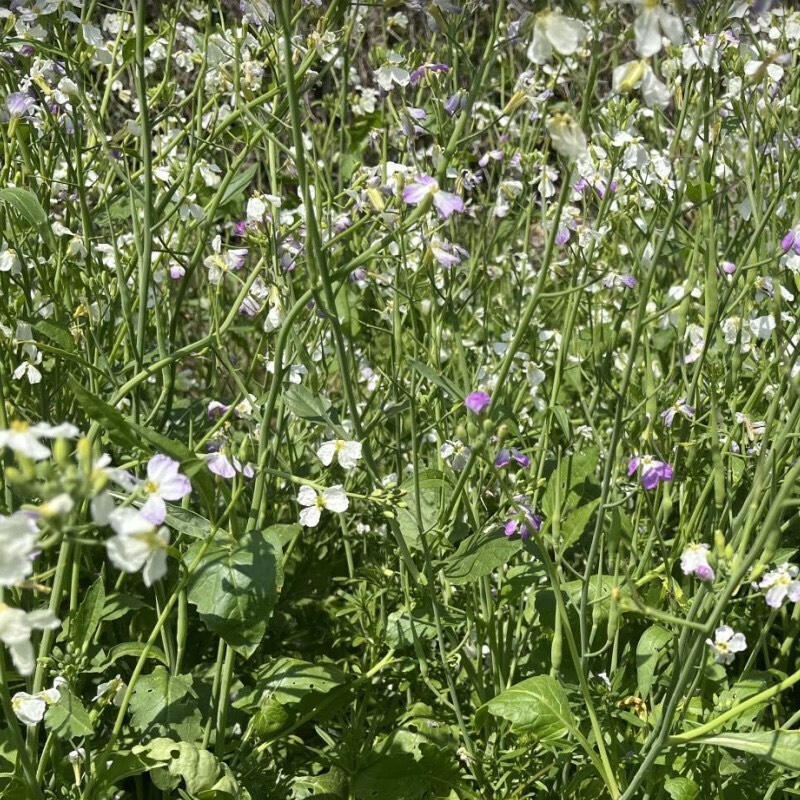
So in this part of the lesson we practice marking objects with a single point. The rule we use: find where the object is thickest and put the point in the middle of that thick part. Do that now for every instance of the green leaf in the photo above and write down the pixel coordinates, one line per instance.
(537, 706)
(58, 333)
(480, 554)
(652, 645)
(205, 777)
(407, 766)
(778, 747)
(434, 494)
(235, 587)
(164, 704)
(135, 650)
(437, 379)
(575, 522)
(294, 691)
(568, 481)
(188, 522)
(303, 403)
(694, 191)
(128, 48)
(83, 622)
(67, 718)
(681, 788)
(238, 184)
(27, 205)
(402, 627)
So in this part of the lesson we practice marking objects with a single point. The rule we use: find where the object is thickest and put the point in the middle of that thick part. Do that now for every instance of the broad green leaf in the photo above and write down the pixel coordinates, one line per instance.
(778, 747)
(235, 587)
(303, 403)
(652, 645)
(328, 786)
(294, 691)
(164, 704)
(188, 522)
(82, 623)
(434, 493)
(204, 776)
(574, 523)
(403, 626)
(537, 706)
(27, 205)
(681, 788)
(58, 333)
(407, 766)
(480, 554)
(67, 718)
(566, 482)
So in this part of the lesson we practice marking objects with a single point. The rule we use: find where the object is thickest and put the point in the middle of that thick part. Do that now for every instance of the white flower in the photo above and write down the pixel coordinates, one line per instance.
(653, 19)
(780, 584)
(566, 135)
(762, 327)
(390, 74)
(19, 537)
(16, 626)
(334, 499)
(23, 438)
(627, 77)
(29, 708)
(694, 561)
(347, 453)
(726, 644)
(138, 545)
(554, 31)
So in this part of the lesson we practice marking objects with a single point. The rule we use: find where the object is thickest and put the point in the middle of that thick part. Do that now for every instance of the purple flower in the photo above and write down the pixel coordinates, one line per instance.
(679, 407)
(791, 241)
(220, 463)
(445, 202)
(728, 267)
(694, 561)
(455, 102)
(423, 68)
(505, 456)
(478, 402)
(523, 522)
(19, 104)
(652, 470)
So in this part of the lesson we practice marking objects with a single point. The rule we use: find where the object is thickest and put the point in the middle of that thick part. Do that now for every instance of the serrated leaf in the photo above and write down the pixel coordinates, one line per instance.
(480, 554)
(652, 645)
(778, 747)
(303, 403)
(164, 704)
(407, 766)
(58, 333)
(67, 718)
(681, 788)
(537, 706)
(235, 587)
(27, 205)
(575, 522)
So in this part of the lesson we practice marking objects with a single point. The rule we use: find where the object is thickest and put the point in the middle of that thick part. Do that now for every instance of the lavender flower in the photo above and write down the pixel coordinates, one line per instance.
(445, 202)
(505, 456)
(653, 471)
(478, 402)
(523, 522)
(679, 407)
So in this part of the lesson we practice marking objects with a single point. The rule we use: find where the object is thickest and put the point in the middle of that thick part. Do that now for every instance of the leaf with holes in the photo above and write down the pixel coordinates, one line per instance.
(165, 705)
